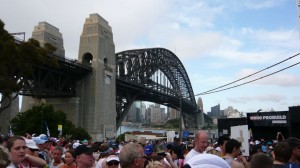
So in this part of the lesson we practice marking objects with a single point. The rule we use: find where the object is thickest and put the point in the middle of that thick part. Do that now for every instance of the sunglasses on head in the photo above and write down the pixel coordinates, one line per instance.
(113, 163)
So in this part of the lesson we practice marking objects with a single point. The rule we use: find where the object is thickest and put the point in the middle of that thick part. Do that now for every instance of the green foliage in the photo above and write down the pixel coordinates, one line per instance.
(17, 61)
(121, 137)
(174, 123)
(33, 121)
(80, 133)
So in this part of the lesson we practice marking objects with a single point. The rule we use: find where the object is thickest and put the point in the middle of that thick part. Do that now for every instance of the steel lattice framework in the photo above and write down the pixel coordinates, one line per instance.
(46, 81)
(155, 75)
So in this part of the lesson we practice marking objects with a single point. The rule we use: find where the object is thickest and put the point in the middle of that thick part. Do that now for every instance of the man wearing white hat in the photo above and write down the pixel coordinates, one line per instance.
(32, 148)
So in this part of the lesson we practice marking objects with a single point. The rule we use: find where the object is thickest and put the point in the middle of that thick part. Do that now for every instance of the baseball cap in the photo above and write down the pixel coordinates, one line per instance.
(75, 145)
(148, 149)
(112, 157)
(83, 149)
(38, 140)
(44, 137)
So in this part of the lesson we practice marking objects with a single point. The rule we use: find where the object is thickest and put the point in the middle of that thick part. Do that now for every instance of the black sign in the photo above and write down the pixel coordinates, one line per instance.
(267, 119)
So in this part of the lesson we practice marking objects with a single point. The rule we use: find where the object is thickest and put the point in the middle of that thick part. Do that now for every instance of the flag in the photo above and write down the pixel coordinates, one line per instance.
(10, 132)
(47, 129)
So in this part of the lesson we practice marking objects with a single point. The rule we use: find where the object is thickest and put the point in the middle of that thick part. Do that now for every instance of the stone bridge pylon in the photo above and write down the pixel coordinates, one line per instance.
(94, 107)
(97, 91)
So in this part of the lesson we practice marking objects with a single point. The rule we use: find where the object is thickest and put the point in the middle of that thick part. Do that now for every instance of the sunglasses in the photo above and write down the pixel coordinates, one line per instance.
(113, 163)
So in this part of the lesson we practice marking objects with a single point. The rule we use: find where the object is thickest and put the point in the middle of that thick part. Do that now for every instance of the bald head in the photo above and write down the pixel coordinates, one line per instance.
(201, 141)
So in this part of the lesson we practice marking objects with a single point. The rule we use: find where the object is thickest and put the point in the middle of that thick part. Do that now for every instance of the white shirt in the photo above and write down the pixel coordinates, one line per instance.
(99, 163)
(191, 154)
(11, 165)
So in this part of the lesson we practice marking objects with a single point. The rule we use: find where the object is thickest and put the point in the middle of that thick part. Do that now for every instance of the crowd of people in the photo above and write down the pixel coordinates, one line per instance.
(44, 152)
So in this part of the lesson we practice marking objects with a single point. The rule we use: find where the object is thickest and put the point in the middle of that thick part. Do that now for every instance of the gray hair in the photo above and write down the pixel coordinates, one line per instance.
(57, 147)
(129, 153)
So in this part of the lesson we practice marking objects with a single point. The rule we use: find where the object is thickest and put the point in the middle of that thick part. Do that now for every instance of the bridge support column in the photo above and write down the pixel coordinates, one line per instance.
(200, 117)
(8, 114)
(97, 91)
(70, 106)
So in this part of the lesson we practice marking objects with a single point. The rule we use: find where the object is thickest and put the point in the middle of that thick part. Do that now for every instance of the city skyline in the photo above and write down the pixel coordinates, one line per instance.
(217, 41)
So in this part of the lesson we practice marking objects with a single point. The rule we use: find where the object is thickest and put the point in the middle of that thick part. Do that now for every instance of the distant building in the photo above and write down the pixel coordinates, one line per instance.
(232, 113)
(229, 112)
(143, 111)
(157, 116)
(134, 113)
(216, 111)
(172, 113)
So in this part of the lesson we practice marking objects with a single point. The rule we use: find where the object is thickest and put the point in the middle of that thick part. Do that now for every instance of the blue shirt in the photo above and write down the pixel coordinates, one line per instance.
(291, 165)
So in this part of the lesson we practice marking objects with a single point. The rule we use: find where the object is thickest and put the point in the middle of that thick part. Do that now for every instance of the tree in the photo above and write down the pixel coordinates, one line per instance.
(174, 123)
(35, 120)
(17, 60)
(121, 137)
(80, 133)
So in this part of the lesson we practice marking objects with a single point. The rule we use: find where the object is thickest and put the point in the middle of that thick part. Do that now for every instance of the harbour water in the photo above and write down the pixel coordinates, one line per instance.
(126, 128)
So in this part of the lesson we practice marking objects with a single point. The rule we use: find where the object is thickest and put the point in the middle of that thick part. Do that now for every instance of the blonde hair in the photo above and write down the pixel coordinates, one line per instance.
(214, 152)
(155, 164)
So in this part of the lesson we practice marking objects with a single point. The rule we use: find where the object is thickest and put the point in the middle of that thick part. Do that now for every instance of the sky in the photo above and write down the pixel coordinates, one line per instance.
(217, 41)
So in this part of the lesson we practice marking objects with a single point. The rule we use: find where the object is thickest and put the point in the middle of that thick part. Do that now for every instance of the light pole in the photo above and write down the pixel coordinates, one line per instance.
(180, 121)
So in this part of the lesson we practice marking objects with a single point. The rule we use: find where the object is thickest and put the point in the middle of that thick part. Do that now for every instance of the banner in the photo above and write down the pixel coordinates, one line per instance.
(241, 134)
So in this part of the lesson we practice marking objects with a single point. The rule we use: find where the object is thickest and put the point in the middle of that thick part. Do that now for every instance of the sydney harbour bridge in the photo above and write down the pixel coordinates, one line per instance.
(105, 84)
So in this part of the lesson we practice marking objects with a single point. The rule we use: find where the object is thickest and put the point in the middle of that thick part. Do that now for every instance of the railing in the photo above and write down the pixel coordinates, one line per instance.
(72, 62)
(64, 59)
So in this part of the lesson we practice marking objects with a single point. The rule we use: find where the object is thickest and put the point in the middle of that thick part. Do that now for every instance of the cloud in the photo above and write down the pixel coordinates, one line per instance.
(270, 97)
(252, 4)
(239, 100)
(258, 4)
(280, 79)
(257, 98)
(287, 39)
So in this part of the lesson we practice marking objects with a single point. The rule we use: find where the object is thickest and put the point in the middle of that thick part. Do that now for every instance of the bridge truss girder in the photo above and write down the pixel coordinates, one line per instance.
(49, 81)
(135, 70)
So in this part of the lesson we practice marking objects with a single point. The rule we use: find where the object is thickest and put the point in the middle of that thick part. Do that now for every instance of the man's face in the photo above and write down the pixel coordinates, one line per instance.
(202, 143)
(236, 152)
(140, 162)
(56, 154)
(223, 146)
(86, 159)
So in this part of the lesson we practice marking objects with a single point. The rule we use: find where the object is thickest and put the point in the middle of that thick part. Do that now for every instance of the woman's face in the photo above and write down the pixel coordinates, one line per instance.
(174, 155)
(32, 152)
(69, 158)
(17, 151)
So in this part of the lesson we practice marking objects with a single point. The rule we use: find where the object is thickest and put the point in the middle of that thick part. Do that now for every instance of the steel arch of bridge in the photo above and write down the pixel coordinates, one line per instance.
(155, 75)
